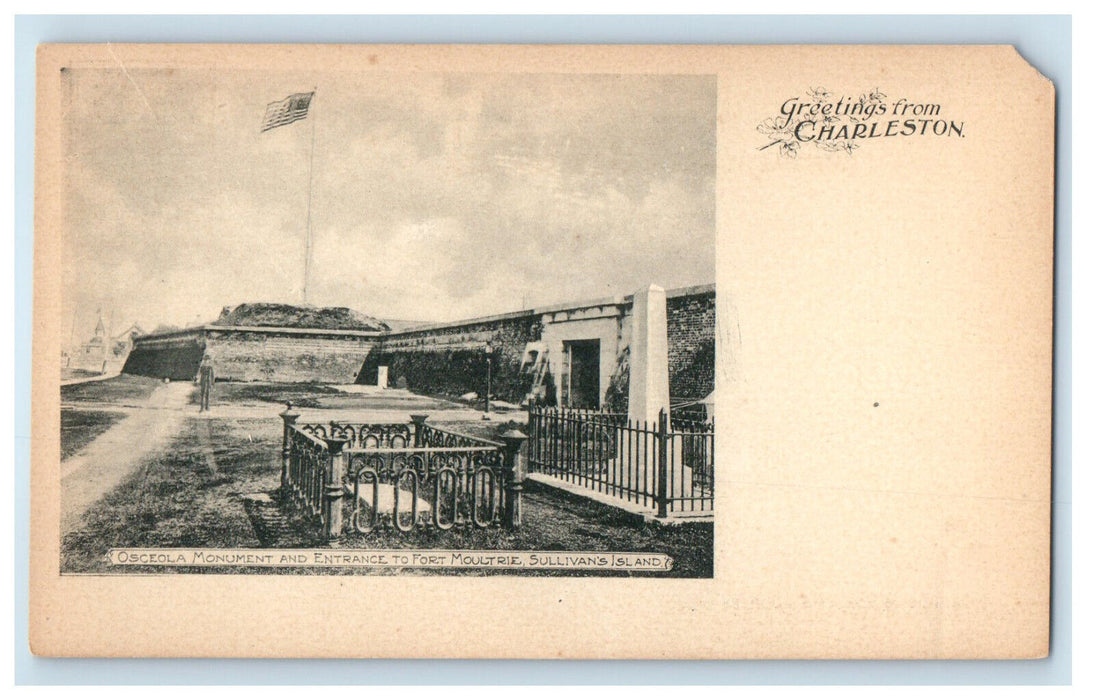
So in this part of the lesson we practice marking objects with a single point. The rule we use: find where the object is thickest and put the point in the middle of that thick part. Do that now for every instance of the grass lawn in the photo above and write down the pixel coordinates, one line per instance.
(122, 389)
(320, 396)
(490, 430)
(189, 495)
(200, 492)
(80, 427)
(302, 395)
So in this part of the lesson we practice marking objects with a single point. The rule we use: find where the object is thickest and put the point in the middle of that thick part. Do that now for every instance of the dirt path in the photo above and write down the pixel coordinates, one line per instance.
(100, 466)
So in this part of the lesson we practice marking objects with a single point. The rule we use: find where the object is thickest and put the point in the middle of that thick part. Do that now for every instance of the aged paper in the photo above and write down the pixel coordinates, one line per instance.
(454, 343)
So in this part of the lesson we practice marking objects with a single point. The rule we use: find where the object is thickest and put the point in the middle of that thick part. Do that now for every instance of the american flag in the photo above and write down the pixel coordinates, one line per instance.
(292, 108)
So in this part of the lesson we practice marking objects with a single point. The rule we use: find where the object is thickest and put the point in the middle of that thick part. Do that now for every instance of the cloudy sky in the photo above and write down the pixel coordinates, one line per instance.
(434, 197)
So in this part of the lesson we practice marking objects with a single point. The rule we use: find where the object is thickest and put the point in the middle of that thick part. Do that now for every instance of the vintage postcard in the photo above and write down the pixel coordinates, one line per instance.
(332, 339)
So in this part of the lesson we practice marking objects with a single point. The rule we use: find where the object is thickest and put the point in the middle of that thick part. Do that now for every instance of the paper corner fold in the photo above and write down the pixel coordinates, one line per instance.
(1016, 54)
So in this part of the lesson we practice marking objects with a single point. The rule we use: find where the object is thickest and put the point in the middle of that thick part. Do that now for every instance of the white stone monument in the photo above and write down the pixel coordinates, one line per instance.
(649, 362)
(648, 386)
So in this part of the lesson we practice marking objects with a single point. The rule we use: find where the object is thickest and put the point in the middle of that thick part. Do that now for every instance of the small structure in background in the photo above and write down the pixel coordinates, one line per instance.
(92, 355)
(103, 353)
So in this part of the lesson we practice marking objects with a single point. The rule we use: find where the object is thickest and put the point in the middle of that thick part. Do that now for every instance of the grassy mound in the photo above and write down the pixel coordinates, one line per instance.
(289, 316)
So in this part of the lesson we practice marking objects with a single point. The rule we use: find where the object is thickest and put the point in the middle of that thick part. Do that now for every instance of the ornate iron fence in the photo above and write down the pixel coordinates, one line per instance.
(657, 465)
(304, 477)
(426, 486)
(363, 435)
(399, 475)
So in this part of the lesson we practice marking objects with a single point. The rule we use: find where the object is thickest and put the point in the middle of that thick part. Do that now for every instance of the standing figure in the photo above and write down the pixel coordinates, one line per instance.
(206, 377)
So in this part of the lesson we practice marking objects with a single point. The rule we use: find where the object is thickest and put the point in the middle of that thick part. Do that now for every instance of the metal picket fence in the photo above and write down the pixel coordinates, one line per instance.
(666, 465)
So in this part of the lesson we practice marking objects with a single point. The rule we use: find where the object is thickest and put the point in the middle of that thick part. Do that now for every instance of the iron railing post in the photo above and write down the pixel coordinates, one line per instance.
(662, 465)
(332, 501)
(533, 436)
(418, 419)
(514, 476)
(289, 416)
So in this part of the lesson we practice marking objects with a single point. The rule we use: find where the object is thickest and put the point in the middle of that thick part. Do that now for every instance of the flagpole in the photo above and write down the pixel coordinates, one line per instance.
(307, 230)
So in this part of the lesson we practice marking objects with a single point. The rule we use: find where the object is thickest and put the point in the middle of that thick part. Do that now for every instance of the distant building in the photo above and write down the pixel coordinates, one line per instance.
(91, 356)
(101, 354)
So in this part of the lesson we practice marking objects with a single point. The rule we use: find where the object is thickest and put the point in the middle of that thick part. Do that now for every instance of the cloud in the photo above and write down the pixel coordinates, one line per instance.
(433, 196)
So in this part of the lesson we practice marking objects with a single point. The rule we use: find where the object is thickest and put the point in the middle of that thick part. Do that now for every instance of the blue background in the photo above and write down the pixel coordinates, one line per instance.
(1044, 40)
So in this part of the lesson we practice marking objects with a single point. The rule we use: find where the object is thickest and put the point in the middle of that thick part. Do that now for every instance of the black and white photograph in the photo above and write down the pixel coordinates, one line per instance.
(370, 322)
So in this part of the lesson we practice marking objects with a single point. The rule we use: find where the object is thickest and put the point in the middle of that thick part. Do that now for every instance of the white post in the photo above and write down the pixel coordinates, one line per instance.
(641, 463)
(649, 362)
(381, 377)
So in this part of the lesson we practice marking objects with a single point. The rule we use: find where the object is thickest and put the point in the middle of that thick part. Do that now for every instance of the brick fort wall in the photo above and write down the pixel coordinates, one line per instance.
(260, 356)
(253, 355)
(449, 360)
(175, 357)
(691, 344)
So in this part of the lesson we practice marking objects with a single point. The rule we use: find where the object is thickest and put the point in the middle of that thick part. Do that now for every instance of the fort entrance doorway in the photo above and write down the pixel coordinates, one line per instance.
(580, 381)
